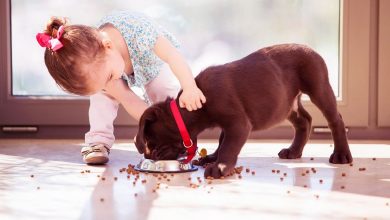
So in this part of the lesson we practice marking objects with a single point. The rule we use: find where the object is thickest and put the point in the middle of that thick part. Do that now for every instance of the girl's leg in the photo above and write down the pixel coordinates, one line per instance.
(163, 86)
(102, 112)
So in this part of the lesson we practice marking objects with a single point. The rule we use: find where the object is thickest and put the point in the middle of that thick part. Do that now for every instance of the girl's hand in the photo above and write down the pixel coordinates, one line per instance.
(192, 98)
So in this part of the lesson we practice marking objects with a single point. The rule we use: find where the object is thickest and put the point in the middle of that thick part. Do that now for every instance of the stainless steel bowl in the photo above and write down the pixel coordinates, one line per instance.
(164, 166)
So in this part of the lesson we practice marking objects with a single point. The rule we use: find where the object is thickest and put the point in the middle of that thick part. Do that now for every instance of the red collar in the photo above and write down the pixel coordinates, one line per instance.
(187, 142)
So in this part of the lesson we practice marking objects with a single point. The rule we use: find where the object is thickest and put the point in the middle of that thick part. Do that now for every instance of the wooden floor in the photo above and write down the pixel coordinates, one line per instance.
(46, 179)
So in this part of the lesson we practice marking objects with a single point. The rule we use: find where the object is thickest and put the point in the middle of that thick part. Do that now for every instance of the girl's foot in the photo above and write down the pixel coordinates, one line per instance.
(96, 154)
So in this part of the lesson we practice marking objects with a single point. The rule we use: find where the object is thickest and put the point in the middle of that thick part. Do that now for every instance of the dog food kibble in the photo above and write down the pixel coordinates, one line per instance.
(288, 191)
(203, 152)
(362, 169)
(143, 181)
(307, 171)
(321, 181)
(101, 200)
(351, 164)
(135, 194)
(303, 174)
(374, 158)
(277, 171)
(342, 187)
(253, 173)
(103, 178)
(305, 186)
(189, 178)
(115, 178)
(128, 176)
(317, 196)
(247, 170)
(32, 176)
(311, 158)
(38, 187)
(239, 176)
(273, 171)
(343, 174)
(387, 204)
(284, 174)
(281, 178)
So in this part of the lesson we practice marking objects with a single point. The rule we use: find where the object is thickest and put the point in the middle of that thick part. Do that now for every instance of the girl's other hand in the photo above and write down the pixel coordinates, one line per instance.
(192, 98)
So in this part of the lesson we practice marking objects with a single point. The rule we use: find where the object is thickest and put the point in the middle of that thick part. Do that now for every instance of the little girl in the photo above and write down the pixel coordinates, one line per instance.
(127, 50)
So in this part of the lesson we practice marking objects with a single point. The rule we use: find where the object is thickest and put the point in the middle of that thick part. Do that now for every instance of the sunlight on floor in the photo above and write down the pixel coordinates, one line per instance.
(47, 180)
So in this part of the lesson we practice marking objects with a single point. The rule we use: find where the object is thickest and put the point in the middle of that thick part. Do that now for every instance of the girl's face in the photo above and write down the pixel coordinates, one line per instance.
(106, 71)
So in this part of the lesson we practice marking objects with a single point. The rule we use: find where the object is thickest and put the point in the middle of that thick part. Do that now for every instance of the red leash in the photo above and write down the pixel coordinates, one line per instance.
(187, 142)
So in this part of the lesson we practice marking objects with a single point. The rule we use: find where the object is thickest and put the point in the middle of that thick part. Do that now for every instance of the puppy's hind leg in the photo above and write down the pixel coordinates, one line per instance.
(326, 102)
(301, 121)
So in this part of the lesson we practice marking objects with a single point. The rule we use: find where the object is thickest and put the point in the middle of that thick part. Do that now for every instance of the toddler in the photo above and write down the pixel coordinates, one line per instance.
(126, 50)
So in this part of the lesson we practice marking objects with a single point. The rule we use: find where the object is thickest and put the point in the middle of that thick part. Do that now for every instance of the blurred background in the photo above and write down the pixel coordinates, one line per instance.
(210, 32)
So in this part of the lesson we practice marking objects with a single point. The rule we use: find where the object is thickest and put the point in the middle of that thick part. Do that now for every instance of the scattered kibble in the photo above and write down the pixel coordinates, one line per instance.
(305, 186)
(342, 187)
(273, 171)
(38, 187)
(321, 181)
(239, 176)
(277, 171)
(351, 164)
(317, 196)
(343, 174)
(284, 174)
(103, 178)
(303, 174)
(135, 194)
(362, 169)
(311, 158)
(101, 199)
(32, 176)
(281, 178)
(288, 191)
(247, 170)
(374, 158)
(115, 178)
(253, 172)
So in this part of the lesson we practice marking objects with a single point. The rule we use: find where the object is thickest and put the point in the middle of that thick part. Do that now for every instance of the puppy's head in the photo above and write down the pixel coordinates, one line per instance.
(158, 137)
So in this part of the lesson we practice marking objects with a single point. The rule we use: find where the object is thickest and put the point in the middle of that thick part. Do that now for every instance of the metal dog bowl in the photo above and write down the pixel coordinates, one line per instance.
(164, 166)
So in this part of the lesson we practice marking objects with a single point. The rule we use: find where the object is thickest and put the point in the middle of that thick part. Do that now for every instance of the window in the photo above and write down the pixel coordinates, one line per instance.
(210, 32)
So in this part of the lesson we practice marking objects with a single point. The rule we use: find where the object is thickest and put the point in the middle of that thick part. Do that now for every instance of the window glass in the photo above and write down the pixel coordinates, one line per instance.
(210, 32)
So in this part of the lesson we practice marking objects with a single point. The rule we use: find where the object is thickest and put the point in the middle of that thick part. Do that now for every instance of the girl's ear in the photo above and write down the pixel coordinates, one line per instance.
(107, 43)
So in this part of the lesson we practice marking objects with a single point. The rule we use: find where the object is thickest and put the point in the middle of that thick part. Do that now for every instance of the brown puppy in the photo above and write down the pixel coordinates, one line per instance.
(253, 93)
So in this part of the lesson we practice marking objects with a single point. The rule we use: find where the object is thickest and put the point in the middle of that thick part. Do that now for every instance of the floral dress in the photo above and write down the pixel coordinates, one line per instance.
(140, 33)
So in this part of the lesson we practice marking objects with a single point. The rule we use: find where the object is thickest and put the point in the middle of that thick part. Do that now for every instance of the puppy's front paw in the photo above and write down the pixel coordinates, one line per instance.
(216, 170)
(288, 153)
(340, 157)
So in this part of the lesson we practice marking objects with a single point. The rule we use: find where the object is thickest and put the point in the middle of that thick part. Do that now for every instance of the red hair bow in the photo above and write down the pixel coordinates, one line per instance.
(47, 41)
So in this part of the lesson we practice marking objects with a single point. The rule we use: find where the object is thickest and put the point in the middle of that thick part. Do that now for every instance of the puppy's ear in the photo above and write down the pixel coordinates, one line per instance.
(147, 118)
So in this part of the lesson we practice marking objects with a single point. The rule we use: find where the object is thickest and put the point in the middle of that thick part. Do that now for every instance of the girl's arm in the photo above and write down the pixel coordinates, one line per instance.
(134, 105)
(192, 97)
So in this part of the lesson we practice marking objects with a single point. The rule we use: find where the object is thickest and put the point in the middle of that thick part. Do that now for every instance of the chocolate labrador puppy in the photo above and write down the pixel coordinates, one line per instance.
(253, 93)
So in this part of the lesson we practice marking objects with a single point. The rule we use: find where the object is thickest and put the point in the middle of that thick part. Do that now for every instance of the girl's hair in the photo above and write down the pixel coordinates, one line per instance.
(81, 44)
